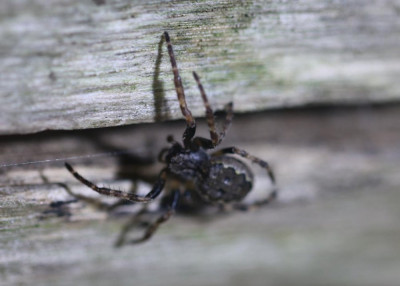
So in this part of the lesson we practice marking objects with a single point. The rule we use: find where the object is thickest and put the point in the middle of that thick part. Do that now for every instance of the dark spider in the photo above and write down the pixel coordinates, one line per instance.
(216, 178)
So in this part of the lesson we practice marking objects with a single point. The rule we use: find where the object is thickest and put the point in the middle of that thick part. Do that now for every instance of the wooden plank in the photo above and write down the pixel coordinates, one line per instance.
(335, 223)
(88, 64)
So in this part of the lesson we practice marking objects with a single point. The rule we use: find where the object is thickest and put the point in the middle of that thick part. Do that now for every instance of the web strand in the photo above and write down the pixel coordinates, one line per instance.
(107, 154)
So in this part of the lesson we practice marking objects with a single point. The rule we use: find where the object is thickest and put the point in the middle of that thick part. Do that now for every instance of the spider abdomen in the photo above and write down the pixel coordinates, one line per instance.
(229, 180)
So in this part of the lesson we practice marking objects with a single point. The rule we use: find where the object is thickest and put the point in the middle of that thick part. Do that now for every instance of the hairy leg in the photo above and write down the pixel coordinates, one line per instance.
(190, 122)
(209, 112)
(157, 188)
(228, 121)
(215, 138)
(97, 203)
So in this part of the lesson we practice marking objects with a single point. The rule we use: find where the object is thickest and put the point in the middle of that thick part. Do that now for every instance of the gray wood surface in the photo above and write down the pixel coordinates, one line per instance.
(336, 221)
(84, 64)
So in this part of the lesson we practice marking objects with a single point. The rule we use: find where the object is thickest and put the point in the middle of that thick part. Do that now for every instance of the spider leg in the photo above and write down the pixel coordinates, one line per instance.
(154, 226)
(121, 202)
(228, 121)
(215, 138)
(202, 142)
(157, 188)
(190, 122)
(94, 201)
(209, 144)
(129, 225)
(263, 164)
(209, 112)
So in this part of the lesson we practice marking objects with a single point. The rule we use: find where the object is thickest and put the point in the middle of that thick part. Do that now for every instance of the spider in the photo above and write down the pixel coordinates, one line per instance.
(216, 177)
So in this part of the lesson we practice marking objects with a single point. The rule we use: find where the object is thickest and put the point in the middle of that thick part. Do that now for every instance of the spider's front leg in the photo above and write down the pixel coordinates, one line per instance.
(157, 188)
(190, 122)
(97, 203)
(211, 144)
(216, 139)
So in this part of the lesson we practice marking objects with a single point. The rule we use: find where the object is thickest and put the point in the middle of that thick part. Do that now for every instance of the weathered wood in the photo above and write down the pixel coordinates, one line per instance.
(74, 65)
(336, 221)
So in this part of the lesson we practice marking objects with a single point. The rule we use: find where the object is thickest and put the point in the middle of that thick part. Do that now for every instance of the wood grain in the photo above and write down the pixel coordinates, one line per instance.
(89, 64)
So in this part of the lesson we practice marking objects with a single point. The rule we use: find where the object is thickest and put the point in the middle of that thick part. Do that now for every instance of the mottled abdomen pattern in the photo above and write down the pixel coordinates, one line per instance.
(229, 180)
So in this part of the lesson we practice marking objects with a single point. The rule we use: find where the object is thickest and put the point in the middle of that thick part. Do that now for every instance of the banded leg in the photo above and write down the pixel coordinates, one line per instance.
(190, 122)
(209, 112)
(215, 138)
(155, 225)
(263, 164)
(209, 144)
(228, 121)
(97, 203)
(157, 188)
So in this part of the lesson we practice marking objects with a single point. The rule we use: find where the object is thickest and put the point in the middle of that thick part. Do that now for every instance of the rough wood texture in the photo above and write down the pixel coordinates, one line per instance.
(336, 221)
(84, 64)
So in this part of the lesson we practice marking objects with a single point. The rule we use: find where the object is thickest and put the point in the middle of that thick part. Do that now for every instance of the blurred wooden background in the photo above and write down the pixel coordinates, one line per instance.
(315, 86)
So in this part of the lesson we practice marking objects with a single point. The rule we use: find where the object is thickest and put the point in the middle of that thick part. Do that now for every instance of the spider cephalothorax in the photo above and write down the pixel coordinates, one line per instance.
(216, 177)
